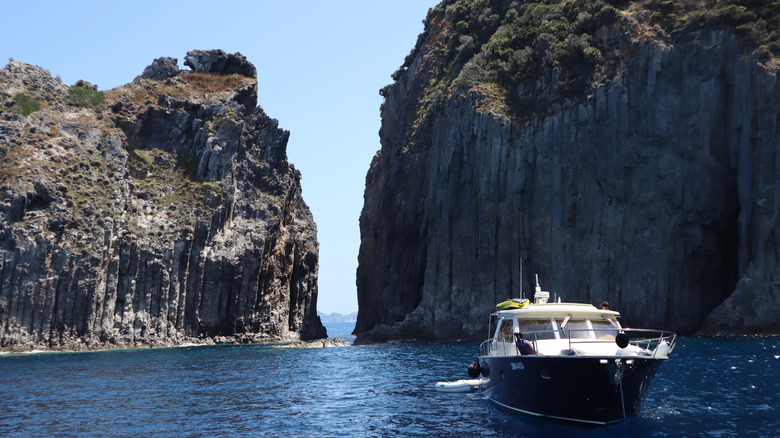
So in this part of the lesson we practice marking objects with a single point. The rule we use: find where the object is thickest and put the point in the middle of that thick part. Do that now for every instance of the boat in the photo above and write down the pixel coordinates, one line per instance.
(568, 362)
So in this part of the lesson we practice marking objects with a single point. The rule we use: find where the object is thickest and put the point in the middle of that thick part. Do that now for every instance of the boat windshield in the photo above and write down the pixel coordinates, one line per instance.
(536, 329)
(574, 329)
(603, 329)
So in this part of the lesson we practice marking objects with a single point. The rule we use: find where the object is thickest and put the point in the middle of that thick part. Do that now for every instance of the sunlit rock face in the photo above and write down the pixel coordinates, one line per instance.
(157, 213)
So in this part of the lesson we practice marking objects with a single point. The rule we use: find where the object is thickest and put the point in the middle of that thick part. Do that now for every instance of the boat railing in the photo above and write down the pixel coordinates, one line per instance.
(641, 342)
(499, 346)
(649, 339)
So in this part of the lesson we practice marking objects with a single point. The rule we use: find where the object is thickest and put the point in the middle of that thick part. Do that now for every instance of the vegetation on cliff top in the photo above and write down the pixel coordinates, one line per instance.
(187, 86)
(86, 95)
(573, 46)
(64, 154)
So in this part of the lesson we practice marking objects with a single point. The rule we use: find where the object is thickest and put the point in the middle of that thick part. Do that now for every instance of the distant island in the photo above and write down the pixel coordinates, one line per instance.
(337, 317)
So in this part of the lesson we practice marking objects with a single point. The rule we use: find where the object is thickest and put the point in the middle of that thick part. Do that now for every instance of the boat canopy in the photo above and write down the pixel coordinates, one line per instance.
(558, 310)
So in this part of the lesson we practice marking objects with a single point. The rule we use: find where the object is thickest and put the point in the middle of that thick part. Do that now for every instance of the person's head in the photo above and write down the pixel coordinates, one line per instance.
(604, 305)
(518, 335)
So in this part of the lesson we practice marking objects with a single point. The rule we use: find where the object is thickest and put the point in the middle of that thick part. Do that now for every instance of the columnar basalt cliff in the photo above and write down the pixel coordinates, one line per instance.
(636, 164)
(157, 213)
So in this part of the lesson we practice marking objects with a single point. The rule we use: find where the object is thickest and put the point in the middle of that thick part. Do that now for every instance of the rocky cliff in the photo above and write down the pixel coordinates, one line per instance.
(157, 213)
(623, 151)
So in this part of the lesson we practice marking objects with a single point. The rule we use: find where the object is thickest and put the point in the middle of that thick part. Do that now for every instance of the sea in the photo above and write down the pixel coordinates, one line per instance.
(709, 388)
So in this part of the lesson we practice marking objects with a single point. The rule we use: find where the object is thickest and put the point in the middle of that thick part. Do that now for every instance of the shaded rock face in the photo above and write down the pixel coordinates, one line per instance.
(165, 213)
(656, 193)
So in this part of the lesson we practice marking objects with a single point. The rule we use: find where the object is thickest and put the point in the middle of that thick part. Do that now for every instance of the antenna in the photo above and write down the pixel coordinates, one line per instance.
(522, 294)
(539, 296)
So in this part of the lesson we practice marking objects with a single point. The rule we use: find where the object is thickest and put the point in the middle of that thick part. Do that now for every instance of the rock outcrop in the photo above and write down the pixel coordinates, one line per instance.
(321, 343)
(157, 213)
(656, 188)
(161, 68)
(217, 61)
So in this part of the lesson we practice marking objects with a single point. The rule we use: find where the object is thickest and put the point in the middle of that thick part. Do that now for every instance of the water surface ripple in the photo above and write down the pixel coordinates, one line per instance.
(715, 388)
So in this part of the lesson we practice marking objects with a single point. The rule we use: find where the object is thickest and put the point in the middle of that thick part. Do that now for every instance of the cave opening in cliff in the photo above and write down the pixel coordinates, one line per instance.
(730, 254)
(724, 262)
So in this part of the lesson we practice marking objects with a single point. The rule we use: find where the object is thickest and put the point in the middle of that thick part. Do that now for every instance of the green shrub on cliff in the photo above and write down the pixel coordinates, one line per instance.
(514, 44)
(543, 51)
(86, 95)
(757, 21)
(25, 104)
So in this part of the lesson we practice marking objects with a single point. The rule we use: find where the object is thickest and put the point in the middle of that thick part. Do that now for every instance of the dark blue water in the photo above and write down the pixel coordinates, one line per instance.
(715, 388)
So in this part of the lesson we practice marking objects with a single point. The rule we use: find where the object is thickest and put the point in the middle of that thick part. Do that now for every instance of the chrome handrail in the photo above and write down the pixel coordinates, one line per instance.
(645, 339)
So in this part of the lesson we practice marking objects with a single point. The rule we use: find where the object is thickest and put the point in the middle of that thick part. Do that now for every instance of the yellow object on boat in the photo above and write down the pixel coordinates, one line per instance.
(514, 303)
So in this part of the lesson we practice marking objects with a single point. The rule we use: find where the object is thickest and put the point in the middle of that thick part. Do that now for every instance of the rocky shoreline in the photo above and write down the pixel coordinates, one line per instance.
(320, 343)
(186, 343)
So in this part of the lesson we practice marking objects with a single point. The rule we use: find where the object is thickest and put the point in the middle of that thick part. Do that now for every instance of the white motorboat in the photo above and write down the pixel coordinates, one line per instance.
(567, 361)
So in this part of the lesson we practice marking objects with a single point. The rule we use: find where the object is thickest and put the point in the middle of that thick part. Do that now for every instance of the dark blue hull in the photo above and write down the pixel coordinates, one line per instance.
(569, 388)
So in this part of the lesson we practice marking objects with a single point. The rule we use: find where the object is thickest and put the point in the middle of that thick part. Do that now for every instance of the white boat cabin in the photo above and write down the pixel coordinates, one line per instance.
(565, 329)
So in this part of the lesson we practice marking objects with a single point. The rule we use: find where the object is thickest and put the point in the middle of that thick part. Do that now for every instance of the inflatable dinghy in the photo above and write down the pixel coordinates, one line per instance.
(463, 385)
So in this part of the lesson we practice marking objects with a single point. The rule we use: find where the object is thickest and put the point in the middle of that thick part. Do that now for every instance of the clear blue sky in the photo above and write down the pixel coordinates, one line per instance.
(320, 67)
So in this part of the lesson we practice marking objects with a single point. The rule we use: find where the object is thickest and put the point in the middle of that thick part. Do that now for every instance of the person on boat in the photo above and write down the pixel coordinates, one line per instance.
(523, 346)
(604, 305)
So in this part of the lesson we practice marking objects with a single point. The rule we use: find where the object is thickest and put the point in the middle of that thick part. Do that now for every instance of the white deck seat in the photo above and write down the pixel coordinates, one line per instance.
(594, 348)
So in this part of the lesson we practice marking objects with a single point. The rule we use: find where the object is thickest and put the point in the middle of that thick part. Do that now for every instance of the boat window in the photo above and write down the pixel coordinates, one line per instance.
(603, 329)
(505, 332)
(536, 329)
(575, 329)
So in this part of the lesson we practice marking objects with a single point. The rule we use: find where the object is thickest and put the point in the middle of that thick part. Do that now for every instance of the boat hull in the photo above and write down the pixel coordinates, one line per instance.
(589, 390)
